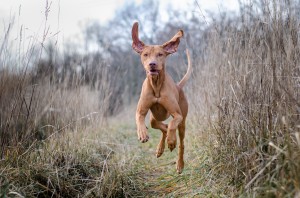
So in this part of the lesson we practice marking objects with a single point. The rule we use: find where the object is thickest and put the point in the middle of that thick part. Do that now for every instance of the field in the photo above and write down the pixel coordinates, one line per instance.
(67, 123)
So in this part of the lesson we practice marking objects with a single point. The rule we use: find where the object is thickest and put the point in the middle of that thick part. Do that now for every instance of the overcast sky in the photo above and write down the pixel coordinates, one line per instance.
(65, 16)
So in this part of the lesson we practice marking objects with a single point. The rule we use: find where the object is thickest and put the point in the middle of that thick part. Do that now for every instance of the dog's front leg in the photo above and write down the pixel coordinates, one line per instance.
(173, 108)
(141, 127)
(141, 112)
(171, 134)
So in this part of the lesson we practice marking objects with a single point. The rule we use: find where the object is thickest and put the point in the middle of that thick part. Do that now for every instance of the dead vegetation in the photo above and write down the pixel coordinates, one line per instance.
(256, 94)
(61, 136)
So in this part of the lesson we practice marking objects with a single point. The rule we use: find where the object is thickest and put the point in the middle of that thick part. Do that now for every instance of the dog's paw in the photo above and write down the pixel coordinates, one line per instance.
(171, 146)
(143, 136)
(171, 140)
(144, 139)
(160, 150)
(179, 166)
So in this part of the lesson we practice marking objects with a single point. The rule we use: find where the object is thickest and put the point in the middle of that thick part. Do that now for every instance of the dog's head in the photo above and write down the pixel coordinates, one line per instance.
(153, 56)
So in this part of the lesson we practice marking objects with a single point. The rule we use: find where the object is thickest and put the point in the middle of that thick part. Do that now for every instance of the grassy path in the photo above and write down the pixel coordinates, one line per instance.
(157, 177)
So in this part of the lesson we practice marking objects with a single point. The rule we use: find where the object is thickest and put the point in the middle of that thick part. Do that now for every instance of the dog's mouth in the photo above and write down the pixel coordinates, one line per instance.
(153, 72)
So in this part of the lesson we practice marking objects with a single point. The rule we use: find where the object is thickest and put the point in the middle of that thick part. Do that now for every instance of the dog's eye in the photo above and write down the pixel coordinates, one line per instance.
(160, 54)
(145, 55)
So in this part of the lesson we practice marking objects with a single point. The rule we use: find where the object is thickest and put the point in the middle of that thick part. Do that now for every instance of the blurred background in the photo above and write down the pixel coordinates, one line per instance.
(71, 44)
(68, 65)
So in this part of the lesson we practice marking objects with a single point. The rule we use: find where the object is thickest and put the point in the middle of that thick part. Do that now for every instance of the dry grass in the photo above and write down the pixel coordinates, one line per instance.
(71, 164)
(243, 136)
(107, 162)
(252, 92)
(35, 111)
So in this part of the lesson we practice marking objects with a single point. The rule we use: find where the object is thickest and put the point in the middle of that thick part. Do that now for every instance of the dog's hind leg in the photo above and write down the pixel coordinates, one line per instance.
(180, 162)
(163, 127)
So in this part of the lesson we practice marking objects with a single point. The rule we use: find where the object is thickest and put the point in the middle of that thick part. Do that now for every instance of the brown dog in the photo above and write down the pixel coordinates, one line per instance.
(161, 95)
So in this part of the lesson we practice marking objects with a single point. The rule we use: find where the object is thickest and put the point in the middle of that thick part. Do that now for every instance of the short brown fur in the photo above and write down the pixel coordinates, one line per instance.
(161, 95)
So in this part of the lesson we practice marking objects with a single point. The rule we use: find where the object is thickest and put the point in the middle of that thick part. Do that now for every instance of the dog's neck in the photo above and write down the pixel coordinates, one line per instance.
(156, 82)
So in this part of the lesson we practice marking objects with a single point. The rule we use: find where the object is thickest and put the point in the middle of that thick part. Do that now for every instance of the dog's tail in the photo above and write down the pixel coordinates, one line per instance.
(188, 73)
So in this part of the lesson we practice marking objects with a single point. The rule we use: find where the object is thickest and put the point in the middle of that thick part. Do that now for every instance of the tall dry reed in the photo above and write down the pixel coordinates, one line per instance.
(249, 83)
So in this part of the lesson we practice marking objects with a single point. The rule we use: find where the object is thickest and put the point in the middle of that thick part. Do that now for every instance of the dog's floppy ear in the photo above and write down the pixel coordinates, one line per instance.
(137, 45)
(172, 45)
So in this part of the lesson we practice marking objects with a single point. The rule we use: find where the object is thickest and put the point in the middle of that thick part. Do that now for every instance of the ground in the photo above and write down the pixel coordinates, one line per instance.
(157, 177)
(107, 160)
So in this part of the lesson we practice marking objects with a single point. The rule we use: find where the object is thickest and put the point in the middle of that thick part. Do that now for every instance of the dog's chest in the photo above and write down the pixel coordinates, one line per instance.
(159, 112)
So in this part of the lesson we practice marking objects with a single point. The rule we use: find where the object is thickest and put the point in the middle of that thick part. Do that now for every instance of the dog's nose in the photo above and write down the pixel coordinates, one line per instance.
(152, 64)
